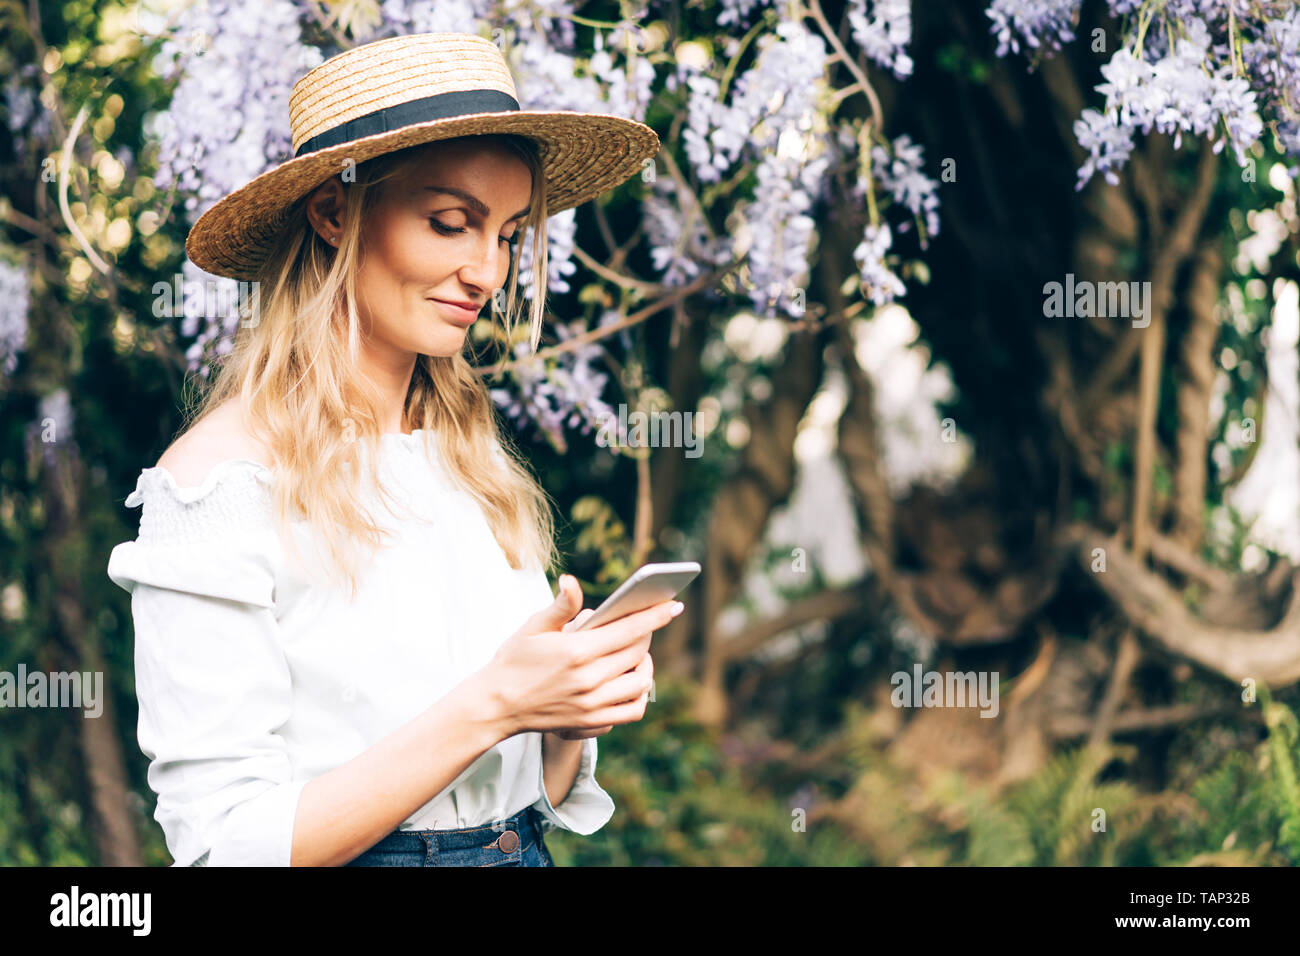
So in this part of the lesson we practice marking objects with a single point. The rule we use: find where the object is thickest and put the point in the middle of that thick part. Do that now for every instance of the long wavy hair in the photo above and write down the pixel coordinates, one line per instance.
(294, 372)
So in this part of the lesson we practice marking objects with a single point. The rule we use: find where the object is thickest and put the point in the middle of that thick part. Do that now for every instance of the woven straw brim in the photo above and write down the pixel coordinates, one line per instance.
(583, 155)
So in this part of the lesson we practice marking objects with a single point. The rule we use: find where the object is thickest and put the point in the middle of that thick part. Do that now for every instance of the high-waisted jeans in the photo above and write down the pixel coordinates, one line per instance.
(515, 841)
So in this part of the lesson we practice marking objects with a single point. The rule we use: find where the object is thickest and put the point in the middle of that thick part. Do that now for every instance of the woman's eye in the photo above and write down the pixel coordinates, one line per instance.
(445, 229)
(457, 230)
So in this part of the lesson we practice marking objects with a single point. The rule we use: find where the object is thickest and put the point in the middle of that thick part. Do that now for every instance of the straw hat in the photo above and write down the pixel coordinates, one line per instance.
(400, 92)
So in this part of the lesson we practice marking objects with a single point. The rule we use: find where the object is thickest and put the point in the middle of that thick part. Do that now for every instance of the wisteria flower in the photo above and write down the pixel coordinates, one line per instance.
(900, 172)
(1035, 23)
(14, 299)
(884, 33)
(879, 283)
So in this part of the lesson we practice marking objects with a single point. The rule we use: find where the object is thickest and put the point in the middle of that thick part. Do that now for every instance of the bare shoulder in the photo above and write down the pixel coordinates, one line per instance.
(219, 436)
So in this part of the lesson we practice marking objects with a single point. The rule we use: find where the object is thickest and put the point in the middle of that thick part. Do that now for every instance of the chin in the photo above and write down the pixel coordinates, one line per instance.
(444, 345)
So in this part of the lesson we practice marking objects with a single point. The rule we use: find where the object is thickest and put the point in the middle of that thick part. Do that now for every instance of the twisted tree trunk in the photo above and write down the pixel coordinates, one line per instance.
(1196, 379)
(763, 480)
(101, 748)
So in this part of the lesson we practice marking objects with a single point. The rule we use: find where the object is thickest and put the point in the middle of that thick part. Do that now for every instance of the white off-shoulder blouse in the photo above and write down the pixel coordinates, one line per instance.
(252, 680)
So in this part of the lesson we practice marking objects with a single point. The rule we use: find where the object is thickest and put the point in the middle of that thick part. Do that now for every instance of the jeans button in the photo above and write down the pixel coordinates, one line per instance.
(509, 842)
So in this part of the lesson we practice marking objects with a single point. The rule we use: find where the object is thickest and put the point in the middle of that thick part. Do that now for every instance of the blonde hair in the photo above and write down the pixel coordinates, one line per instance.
(294, 371)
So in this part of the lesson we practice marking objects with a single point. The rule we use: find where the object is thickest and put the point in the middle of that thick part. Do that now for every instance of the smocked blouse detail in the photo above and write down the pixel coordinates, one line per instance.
(253, 677)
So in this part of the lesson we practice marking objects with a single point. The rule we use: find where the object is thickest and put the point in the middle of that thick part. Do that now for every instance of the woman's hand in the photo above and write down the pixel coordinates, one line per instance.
(576, 686)
(577, 733)
(646, 667)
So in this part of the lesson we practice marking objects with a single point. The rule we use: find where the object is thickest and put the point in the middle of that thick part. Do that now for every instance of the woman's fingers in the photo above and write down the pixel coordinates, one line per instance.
(616, 635)
(621, 700)
(580, 620)
(628, 687)
(575, 733)
(626, 713)
(599, 673)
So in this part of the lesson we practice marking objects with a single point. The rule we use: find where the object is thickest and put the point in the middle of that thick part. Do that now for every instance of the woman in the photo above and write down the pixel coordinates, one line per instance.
(420, 703)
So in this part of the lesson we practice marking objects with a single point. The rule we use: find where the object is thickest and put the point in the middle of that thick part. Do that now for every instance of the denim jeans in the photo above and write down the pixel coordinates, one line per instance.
(516, 841)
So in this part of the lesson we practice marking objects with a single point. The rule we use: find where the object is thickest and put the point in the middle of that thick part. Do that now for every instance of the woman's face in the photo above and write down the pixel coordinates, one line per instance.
(441, 232)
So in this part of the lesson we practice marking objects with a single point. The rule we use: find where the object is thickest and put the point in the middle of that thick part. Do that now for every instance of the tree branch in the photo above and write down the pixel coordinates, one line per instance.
(1152, 606)
(605, 331)
(825, 605)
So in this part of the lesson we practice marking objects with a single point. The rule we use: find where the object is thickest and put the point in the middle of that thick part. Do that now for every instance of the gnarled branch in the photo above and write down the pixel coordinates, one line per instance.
(1151, 605)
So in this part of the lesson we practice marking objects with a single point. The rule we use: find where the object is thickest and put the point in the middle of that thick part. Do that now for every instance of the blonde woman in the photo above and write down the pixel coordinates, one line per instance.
(346, 647)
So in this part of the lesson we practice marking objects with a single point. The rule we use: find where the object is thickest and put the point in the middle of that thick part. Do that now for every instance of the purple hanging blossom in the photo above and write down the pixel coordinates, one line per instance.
(561, 237)
(1273, 58)
(54, 420)
(430, 16)
(227, 122)
(28, 119)
(879, 283)
(1183, 77)
(677, 251)
(558, 393)
(1035, 23)
(1176, 93)
(781, 229)
(738, 12)
(1108, 144)
(14, 301)
(884, 33)
(710, 146)
(901, 174)
(776, 103)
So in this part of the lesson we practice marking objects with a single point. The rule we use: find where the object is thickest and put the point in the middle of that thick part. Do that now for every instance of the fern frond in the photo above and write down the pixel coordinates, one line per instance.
(1283, 732)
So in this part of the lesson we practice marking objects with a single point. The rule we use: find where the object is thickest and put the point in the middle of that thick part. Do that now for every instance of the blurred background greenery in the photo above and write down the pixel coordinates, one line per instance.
(772, 739)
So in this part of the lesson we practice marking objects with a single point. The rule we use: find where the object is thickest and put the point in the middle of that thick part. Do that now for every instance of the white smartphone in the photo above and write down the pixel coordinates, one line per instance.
(649, 585)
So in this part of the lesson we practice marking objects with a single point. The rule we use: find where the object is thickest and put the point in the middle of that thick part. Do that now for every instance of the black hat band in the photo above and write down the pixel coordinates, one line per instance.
(399, 115)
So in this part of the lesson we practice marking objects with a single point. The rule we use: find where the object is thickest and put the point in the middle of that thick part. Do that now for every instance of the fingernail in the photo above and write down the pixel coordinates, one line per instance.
(676, 609)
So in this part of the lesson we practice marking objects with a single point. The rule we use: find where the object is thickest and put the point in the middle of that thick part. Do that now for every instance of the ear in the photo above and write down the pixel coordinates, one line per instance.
(325, 209)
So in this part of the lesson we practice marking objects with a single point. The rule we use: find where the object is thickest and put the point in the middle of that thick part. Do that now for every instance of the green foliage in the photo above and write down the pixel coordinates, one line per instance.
(995, 834)
(1233, 813)
(1236, 808)
(679, 803)
(54, 836)
(1062, 804)
(603, 538)
(1281, 757)
(961, 61)
(95, 338)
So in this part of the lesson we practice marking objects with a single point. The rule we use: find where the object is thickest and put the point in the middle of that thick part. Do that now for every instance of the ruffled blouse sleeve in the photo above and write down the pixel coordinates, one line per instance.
(587, 807)
(212, 680)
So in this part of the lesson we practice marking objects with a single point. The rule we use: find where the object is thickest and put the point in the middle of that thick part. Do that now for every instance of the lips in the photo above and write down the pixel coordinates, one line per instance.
(462, 312)
(470, 306)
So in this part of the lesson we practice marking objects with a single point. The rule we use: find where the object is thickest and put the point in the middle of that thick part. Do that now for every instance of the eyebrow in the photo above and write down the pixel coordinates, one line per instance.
(474, 202)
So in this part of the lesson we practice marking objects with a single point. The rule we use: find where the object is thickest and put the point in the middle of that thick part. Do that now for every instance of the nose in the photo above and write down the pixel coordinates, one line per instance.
(487, 264)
